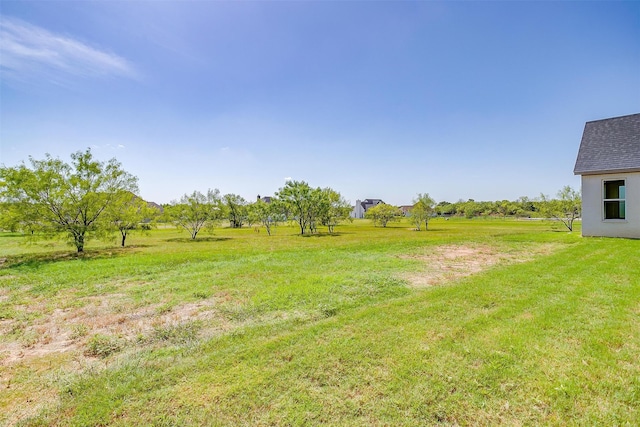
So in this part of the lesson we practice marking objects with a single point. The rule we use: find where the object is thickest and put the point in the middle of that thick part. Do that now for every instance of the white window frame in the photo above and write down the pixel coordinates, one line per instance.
(620, 199)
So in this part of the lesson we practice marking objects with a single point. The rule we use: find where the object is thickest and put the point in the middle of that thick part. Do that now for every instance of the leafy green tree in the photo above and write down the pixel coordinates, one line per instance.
(445, 208)
(566, 208)
(318, 203)
(129, 214)
(196, 211)
(236, 209)
(505, 208)
(423, 209)
(297, 200)
(471, 209)
(52, 197)
(382, 214)
(333, 209)
(269, 215)
(526, 206)
(312, 206)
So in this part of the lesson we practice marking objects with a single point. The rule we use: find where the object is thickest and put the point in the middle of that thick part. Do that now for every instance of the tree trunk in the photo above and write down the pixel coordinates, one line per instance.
(80, 243)
(124, 236)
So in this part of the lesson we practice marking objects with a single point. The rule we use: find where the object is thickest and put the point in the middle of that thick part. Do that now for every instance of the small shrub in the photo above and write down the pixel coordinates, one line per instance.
(101, 345)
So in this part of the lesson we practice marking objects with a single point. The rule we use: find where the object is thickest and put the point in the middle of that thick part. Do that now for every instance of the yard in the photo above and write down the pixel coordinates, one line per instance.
(478, 322)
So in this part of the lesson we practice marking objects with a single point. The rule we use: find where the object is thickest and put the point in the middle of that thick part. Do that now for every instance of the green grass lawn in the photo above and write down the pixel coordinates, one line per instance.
(474, 322)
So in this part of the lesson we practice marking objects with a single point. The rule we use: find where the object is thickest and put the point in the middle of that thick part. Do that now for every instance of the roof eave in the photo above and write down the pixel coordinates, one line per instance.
(606, 172)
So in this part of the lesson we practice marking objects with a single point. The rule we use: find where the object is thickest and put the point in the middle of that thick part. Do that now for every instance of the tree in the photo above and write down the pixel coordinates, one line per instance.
(236, 209)
(445, 208)
(52, 197)
(470, 208)
(296, 199)
(527, 207)
(130, 213)
(312, 206)
(423, 209)
(382, 214)
(196, 211)
(266, 214)
(506, 207)
(566, 208)
(333, 209)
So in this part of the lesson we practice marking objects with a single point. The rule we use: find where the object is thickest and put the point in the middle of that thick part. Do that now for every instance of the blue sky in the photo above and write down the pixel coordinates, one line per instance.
(482, 100)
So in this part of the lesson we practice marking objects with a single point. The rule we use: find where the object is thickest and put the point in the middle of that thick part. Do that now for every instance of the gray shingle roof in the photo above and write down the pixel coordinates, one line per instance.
(609, 146)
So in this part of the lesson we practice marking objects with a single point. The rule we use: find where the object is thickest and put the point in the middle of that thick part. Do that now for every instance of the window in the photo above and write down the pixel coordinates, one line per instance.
(614, 198)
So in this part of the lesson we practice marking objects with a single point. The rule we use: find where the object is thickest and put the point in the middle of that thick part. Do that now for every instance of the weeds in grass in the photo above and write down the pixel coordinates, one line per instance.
(328, 311)
(200, 295)
(237, 312)
(29, 337)
(79, 331)
(178, 334)
(164, 309)
(101, 345)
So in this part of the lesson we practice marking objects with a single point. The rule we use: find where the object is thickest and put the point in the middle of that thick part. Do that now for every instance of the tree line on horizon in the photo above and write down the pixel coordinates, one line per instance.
(92, 199)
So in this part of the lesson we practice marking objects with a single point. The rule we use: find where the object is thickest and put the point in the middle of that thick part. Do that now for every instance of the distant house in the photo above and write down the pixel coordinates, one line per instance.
(361, 207)
(406, 209)
(266, 199)
(609, 164)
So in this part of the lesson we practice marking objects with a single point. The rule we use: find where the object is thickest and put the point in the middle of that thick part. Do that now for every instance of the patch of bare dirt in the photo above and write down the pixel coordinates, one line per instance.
(450, 262)
(69, 329)
(4, 293)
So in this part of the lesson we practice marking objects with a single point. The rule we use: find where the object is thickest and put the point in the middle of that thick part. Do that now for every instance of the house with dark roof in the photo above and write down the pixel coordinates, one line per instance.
(361, 207)
(609, 164)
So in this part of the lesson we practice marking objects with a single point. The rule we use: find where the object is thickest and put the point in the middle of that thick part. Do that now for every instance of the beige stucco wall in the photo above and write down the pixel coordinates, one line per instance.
(593, 223)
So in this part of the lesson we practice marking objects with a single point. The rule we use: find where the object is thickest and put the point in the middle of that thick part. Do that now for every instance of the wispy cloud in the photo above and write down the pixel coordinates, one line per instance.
(108, 147)
(29, 52)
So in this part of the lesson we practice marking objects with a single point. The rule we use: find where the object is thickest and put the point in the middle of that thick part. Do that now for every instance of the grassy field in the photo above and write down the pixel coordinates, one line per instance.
(474, 322)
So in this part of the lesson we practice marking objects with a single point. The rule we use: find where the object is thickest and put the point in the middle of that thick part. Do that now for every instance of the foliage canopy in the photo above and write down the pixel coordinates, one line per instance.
(310, 206)
(53, 197)
(423, 209)
(382, 214)
(567, 207)
(196, 211)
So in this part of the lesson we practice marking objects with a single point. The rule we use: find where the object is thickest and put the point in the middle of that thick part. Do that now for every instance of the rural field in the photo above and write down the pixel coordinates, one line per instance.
(473, 322)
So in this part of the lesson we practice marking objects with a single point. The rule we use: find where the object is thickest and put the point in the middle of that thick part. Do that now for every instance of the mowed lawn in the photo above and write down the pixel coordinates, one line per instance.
(474, 322)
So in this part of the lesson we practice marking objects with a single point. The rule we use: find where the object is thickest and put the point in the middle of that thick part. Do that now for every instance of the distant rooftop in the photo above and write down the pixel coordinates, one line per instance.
(610, 146)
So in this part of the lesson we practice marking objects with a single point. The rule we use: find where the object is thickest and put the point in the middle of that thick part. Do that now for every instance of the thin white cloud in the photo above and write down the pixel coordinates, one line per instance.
(287, 179)
(28, 52)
